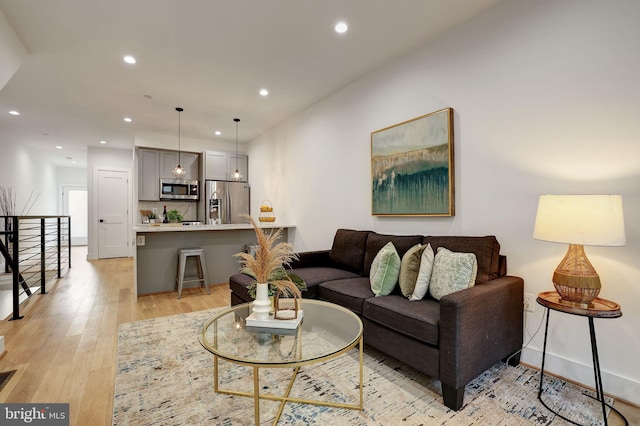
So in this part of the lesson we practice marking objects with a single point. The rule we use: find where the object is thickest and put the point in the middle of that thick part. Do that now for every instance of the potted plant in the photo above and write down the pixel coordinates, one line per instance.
(268, 270)
(174, 216)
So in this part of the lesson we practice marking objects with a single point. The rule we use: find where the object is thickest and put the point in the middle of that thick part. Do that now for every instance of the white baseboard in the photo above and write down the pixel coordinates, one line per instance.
(614, 385)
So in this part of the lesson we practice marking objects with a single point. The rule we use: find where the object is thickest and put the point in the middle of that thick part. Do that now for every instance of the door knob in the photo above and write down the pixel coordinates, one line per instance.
(101, 220)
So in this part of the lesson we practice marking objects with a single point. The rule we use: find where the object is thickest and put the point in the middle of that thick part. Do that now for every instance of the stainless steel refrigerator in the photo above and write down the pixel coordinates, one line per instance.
(224, 202)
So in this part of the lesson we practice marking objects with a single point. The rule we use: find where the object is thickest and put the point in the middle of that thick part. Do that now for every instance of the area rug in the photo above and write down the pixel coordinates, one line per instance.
(165, 377)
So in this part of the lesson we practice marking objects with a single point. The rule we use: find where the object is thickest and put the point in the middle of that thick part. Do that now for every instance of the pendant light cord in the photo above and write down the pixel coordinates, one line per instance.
(179, 145)
(237, 120)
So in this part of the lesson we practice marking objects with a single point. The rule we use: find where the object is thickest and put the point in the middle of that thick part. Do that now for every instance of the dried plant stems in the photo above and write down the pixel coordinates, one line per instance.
(7, 201)
(29, 204)
(269, 259)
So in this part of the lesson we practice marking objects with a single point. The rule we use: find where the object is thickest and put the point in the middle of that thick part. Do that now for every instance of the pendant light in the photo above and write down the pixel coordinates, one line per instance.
(179, 172)
(236, 175)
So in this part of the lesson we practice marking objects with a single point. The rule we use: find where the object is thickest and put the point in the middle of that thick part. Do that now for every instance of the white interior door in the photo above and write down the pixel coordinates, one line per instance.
(112, 214)
(75, 204)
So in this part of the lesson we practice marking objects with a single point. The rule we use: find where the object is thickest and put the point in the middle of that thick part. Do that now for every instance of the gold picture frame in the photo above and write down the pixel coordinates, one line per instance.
(412, 167)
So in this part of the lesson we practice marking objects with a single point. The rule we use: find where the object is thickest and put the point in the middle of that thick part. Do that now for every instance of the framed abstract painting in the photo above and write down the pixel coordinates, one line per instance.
(412, 168)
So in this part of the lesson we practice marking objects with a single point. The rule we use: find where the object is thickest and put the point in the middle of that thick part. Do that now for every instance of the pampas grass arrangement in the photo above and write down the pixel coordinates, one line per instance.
(7, 201)
(268, 265)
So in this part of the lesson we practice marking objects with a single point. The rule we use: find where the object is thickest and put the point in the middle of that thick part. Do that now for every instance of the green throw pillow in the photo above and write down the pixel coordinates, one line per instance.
(452, 272)
(409, 268)
(385, 270)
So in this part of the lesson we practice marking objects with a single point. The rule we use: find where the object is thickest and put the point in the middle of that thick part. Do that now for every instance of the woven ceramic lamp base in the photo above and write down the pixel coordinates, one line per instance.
(575, 279)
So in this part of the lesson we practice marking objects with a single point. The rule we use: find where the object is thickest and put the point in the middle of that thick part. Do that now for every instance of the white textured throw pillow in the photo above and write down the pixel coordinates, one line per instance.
(424, 274)
(452, 272)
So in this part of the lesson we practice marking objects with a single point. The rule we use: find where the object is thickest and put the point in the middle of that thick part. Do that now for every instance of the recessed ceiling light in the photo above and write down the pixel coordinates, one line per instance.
(73, 162)
(128, 120)
(341, 27)
(14, 113)
(129, 59)
(58, 147)
(264, 92)
(217, 132)
(103, 142)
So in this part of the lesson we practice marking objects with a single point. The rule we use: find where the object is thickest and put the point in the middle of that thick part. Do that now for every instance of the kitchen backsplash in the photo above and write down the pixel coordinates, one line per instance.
(189, 209)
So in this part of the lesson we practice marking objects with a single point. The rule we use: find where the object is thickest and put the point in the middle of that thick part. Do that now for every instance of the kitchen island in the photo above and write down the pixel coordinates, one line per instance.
(156, 254)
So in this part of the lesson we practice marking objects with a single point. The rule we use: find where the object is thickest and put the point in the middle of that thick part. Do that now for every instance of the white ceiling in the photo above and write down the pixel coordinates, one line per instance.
(208, 56)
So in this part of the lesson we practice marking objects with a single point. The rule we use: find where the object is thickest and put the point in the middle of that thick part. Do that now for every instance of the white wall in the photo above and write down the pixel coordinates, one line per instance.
(546, 100)
(71, 175)
(30, 176)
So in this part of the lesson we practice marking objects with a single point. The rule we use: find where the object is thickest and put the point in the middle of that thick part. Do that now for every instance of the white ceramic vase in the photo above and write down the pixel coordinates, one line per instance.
(261, 305)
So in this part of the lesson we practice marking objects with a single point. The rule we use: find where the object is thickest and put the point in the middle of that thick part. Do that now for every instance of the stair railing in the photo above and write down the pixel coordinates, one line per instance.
(36, 250)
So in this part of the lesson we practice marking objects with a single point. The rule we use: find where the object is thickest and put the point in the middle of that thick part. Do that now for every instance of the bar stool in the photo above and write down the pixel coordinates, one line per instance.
(183, 255)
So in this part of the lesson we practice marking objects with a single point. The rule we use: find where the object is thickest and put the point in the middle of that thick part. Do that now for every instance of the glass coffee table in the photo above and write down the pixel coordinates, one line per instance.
(327, 331)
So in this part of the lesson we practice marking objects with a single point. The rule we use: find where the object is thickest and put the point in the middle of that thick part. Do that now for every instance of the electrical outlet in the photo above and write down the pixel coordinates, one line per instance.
(140, 240)
(529, 302)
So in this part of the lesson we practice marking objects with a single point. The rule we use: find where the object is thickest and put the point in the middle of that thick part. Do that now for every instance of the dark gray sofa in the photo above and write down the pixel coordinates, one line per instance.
(454, 339)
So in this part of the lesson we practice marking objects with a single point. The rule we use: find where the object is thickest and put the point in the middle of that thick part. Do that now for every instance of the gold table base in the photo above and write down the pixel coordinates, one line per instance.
(257, 396)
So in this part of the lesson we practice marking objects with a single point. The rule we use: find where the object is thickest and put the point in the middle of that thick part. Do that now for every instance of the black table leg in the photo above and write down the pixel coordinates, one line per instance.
(544, 353)
(596, 372)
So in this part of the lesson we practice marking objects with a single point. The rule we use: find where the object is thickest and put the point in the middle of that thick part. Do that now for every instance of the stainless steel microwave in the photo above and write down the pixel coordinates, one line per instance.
(179, 189)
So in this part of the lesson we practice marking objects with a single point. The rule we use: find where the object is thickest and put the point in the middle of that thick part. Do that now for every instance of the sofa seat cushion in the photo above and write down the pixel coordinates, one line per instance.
(312, 277)
(350, 293)
(418, 319)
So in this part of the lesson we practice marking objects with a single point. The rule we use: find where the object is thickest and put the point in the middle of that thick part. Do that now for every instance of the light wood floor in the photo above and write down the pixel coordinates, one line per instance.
(64, 349)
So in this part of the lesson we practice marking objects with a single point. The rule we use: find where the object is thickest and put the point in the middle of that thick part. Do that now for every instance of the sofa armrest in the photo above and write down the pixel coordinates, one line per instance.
(479, 326)
(311, 259)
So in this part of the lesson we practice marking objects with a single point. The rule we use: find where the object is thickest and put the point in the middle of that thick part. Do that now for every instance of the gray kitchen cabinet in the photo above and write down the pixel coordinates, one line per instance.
(215, 165)
(168, 162)
(148, 174)
(222, 165)
(241, 162)
(188, 161)
(191, 164)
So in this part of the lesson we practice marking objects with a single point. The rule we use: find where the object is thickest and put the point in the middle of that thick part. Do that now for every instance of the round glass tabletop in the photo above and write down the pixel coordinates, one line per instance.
(326, 330)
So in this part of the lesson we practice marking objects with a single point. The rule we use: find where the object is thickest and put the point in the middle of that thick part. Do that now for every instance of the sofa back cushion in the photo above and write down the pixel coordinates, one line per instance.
(348, 250)
(376, 241)
(486, 249)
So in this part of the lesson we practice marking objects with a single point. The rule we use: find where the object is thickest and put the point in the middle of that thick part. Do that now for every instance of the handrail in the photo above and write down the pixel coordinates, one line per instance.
(36, 250)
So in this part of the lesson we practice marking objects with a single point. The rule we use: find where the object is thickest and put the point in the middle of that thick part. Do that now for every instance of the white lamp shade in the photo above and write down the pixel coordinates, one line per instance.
(593, 220)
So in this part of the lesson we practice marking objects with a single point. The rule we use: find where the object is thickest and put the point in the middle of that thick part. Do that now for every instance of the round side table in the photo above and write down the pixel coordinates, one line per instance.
(601, 308)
